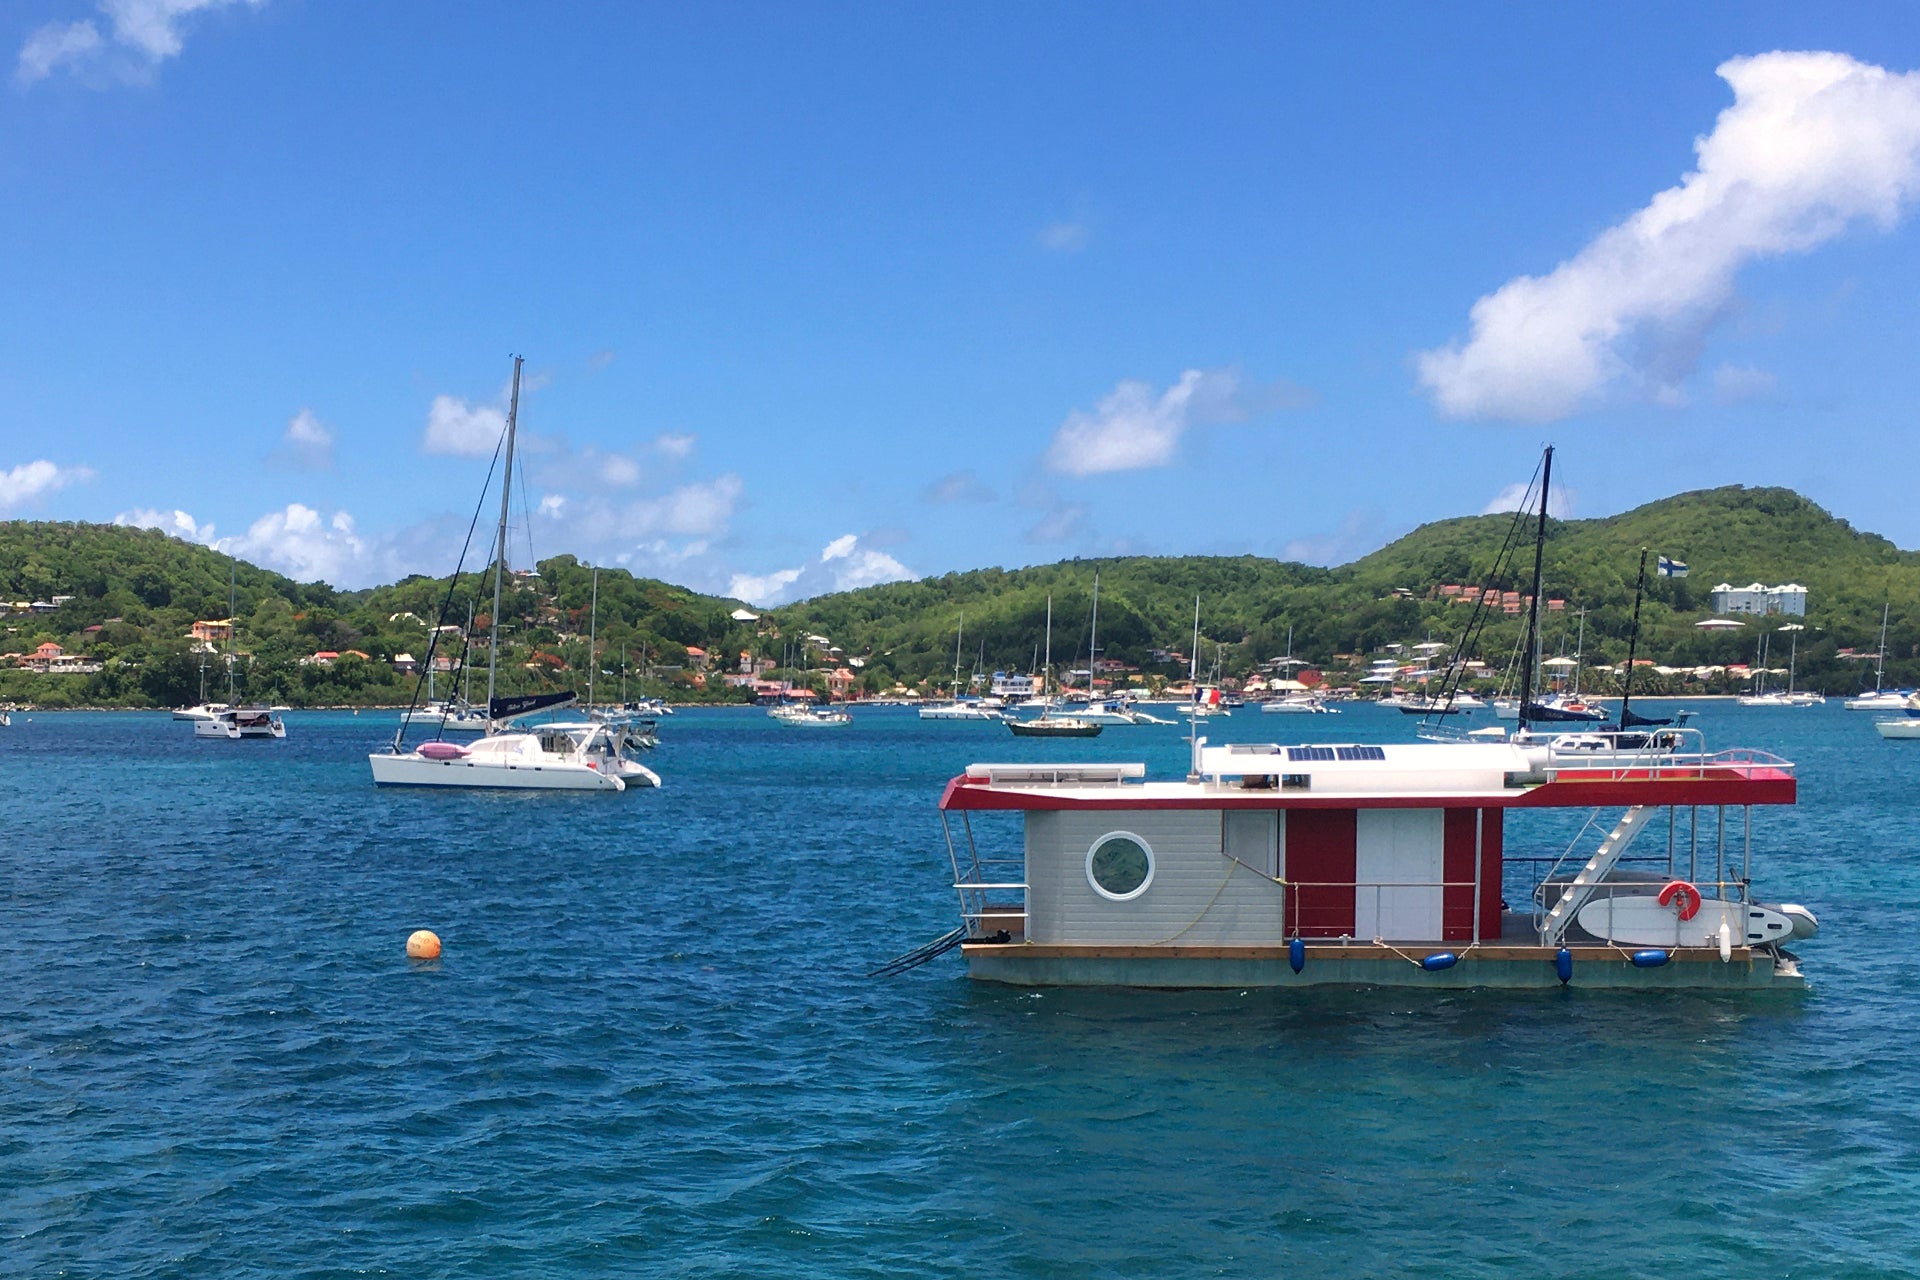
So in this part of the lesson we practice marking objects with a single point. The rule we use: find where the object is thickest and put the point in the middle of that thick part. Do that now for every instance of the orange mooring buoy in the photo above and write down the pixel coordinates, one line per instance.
(423, 944)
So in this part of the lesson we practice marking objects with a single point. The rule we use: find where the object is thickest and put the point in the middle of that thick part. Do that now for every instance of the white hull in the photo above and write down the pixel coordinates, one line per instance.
(959, 713)
(205, 711)
(235, 725)
(1898, 728)
(1303, 708)
(470, 774)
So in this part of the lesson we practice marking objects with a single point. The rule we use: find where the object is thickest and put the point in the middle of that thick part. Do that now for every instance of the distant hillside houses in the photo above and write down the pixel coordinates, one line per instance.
(1790, 598)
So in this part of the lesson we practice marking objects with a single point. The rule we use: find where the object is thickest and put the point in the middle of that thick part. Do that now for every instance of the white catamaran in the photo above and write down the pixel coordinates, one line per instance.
(583, 756)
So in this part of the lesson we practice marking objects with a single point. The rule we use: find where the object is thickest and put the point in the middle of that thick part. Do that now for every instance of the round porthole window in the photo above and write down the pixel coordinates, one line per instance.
(1120, 866)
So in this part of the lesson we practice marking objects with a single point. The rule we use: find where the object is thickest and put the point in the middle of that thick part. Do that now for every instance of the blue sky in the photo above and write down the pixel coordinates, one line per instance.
(814, 296)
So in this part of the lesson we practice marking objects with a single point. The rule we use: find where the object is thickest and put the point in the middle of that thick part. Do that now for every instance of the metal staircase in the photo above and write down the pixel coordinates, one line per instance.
(1575, 896)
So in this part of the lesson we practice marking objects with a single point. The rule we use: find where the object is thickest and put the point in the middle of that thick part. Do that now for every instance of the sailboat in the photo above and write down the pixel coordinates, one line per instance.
(1113, 709)
(1880, 699)
(1763, 697)
(1049, 725)
(452, 715)
(583, 756)
(230, 721)
(959, 708)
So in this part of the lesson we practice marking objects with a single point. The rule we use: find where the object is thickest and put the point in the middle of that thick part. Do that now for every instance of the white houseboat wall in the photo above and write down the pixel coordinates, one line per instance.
(1371, 864)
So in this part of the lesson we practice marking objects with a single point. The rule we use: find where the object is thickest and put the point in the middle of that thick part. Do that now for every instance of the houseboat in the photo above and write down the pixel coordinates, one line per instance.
(1363, 864)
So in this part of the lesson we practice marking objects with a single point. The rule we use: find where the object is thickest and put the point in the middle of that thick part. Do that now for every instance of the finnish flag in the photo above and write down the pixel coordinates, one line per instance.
(1670, 568)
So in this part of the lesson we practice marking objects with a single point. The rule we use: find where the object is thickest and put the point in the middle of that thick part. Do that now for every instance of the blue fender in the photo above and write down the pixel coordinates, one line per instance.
(1649, 959)
(1563, 965)
(1297, 955)
(1439, 960)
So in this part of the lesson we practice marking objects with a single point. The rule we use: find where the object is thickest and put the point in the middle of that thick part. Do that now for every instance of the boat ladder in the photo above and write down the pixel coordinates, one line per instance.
(1575, 895)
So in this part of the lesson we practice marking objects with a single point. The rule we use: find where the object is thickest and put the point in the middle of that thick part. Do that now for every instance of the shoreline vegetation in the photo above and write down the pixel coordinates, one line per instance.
(137, 619)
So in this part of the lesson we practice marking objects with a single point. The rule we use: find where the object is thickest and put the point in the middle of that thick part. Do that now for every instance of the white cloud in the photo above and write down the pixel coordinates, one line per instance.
(176, 522)
(675, 444)
(1063, 237)
(768, 588)
(30, 480)
(1813, 144)
(1560, 503)
(1133, 426)
(144, 34)
(1359, 532)
(308, 442)
(305, 545)
(458, 428)
(1065, 521)
(553, 505)
(844, 564)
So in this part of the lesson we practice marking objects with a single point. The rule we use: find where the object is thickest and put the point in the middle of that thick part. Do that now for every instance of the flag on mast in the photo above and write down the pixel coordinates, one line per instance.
(1671, 568)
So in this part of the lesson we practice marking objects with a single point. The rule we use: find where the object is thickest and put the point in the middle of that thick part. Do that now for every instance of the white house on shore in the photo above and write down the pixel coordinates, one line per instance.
(1789, 598)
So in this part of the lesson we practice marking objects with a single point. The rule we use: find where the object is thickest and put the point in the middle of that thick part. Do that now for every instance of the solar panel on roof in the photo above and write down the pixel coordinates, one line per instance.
(1310, 753)
(1361, 753)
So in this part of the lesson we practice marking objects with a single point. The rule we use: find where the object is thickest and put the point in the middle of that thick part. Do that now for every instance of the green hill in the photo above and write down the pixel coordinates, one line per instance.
(136, 592)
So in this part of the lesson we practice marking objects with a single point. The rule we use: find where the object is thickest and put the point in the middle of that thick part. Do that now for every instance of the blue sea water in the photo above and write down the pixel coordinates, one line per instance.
(650, 1049)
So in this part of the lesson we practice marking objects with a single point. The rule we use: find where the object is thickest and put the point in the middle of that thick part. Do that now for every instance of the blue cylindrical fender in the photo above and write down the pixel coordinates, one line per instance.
(1563, 965)
(1297, 955)
(1439, 960)
(1649, 959)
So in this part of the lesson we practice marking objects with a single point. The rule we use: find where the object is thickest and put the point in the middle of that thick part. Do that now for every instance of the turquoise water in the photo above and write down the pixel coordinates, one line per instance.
(650, 1049)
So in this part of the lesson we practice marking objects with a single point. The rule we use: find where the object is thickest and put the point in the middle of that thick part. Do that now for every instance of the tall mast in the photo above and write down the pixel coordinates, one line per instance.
(1528, 658)
(233, 571)
(1880, 664)
(500, 552)
(593, 650)
(1580, 645)
(1633, 640)
(958, 631)
(1046, 673)
(1093, 639)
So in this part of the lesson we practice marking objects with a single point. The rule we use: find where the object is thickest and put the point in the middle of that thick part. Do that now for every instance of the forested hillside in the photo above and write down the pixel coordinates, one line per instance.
(135, 594)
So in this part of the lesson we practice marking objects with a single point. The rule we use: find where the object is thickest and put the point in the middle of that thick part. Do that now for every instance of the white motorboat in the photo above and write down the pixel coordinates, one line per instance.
(960, 710)
(1298, 704)
(796, 715)
(204, 711)
(453, 715)
(1907, 727)
(241, 722)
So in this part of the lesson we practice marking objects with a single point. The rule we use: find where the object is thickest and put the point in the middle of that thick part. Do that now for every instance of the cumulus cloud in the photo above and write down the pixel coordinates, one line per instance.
(958, 486)
(1133, 426)
(308, 442)
(139, 36)
(845, 564)
(1813, 144)
(30, 480)
(461, 429)
(176, 522)
(306, 546)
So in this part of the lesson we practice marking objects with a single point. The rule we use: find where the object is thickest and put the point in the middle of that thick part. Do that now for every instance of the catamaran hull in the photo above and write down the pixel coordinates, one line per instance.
(415, 771)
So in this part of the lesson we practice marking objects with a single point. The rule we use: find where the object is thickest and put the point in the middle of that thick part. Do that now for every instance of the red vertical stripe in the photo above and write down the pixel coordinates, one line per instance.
(1457, 900)
(1320, 872)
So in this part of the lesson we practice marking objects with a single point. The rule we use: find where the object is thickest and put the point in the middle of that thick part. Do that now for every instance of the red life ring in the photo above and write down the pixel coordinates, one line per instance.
(1689, 897)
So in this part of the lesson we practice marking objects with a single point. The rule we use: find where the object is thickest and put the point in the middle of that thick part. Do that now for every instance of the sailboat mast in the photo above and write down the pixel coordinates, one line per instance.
(500, 552)
(593, 647)
(1633, 640)
(957, 633)
(233, 571)
(1046, 673)
(1093, 640)
(1531, 654)
(1880, 663)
